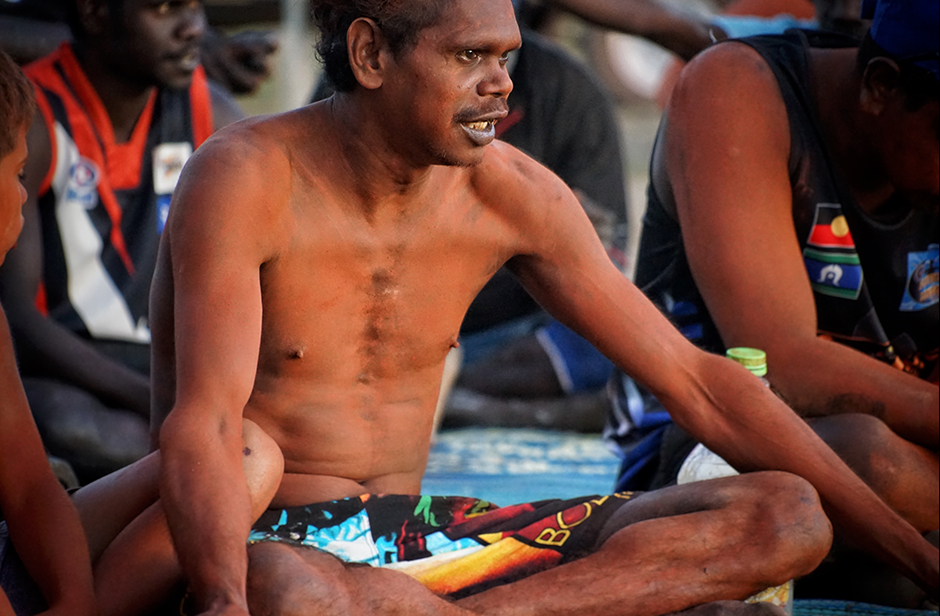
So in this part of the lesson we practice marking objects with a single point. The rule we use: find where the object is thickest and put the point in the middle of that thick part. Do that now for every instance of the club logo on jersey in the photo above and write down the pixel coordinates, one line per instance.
(168, 161)
(830, 229)
(923, 279)
(83, 183)
(834, 274)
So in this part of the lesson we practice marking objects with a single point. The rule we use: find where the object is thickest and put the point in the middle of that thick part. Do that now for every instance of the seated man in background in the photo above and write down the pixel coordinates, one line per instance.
(31, 29)
(51, 557)
(120, 111)
(798, 213)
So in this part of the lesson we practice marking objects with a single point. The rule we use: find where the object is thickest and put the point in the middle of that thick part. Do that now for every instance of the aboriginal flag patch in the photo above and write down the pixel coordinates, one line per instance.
(830, 228)
(831, 261)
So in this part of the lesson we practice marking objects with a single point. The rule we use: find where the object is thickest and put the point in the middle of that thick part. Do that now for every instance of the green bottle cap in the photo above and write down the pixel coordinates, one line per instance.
(754, 360)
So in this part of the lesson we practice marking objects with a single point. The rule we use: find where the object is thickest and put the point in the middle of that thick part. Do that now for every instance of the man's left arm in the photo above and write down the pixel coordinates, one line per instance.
(564, 266)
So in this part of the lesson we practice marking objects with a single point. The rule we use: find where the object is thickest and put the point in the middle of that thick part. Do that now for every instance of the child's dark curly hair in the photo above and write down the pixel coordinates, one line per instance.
(17, 103)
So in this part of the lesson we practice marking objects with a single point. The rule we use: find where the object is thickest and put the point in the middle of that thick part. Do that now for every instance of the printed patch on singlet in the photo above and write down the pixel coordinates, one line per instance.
(830, 228)
(168, 161)
(82, 185)
(923, 279)
(837, 275)
(830, 258)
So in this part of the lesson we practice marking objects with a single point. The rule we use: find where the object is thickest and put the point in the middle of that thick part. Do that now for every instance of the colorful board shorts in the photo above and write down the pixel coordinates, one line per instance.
(455, 546)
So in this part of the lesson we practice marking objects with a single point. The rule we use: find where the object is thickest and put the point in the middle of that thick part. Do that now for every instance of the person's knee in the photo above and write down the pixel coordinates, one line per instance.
(263, 464)
(282, 581)
(786, 517)
(858, 439)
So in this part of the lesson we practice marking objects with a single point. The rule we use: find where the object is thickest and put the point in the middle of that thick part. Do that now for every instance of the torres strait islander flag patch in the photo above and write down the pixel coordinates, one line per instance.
(830, 257)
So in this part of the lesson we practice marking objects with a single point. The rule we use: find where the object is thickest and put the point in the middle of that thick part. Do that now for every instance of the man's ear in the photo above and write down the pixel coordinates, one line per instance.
(367, 52)
(881, 82)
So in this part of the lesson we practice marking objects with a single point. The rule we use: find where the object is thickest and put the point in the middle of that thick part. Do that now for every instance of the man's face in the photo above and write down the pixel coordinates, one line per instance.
(446, 94)
(910, 146)
(12, 194)
(156, 42)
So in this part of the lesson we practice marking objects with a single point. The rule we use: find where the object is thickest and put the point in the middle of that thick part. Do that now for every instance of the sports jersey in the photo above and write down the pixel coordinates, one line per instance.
(103, 204)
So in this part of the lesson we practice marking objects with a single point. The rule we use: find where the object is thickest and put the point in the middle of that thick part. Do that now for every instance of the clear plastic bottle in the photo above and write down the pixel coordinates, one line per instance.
(702, 464)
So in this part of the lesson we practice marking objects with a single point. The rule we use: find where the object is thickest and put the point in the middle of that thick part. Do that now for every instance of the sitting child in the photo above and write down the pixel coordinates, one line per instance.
(39, 520)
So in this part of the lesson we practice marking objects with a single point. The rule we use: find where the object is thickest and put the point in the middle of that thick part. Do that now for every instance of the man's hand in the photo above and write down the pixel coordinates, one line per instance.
(240, 62)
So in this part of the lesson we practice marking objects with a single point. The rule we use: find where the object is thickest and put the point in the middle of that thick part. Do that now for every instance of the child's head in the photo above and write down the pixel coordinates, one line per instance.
(17, 105)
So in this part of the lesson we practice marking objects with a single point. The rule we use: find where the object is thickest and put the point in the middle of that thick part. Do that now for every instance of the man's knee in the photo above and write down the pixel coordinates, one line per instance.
(785, 515)
(865, 443)
(289, 581)
(263, 464)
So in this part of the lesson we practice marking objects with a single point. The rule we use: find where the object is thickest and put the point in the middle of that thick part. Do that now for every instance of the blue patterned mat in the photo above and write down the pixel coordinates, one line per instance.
(825, 607)
(507, 466)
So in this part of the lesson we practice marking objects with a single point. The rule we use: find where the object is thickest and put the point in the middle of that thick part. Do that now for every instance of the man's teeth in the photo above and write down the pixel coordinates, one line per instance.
(485, 125)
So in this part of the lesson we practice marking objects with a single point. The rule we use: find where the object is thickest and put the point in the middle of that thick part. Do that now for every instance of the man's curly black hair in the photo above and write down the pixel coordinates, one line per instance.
(401, 21)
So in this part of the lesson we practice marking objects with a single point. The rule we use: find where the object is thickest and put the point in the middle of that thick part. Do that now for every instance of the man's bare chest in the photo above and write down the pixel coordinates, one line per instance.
(368, 305)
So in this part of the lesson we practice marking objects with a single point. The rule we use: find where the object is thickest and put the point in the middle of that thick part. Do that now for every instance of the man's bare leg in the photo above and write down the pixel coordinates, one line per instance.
(662, 552)
(135, 563)
(903, 474)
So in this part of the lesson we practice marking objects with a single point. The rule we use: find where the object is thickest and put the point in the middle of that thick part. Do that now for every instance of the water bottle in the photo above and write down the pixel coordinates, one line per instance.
(702, 464)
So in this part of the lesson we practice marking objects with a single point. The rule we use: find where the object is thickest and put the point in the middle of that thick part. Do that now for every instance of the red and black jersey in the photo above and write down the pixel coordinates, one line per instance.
(103, 204)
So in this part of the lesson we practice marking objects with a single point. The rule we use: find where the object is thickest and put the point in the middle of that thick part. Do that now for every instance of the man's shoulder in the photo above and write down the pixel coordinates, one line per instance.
(255, 142)
(508, 170)
(729, 86)
(733, 64)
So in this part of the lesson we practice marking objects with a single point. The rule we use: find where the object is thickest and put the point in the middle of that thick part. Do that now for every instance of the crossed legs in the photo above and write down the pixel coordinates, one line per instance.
(662, 552)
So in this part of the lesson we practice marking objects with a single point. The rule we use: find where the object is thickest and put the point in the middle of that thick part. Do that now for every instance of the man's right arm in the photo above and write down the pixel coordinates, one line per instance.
(727, 160)
(219, 233)
(45, 348)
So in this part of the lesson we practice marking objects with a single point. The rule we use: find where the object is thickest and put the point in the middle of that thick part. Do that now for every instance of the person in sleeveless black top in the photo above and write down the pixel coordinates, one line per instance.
(793, 207)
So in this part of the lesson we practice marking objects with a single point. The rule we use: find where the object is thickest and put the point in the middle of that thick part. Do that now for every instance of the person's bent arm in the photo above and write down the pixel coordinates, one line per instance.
(680, 32)
(712, 398)
(44, 347)
(43, 524)
(727, 157)
(215, 244)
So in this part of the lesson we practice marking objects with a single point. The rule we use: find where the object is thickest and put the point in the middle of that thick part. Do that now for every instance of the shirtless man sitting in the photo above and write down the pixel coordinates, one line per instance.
(312, 278)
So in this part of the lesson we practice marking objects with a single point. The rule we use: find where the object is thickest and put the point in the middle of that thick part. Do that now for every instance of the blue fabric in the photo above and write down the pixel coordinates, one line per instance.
(740, 26)
(579, 366)
(478, 345)
(907, 29)
(838, 607)
(19, 588)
